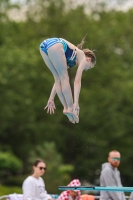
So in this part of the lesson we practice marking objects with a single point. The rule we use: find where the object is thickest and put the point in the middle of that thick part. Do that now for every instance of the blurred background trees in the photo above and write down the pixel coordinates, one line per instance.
(26, 130)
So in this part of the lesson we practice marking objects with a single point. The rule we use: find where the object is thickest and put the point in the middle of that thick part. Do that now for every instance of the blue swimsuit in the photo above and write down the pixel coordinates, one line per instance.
(69, 53)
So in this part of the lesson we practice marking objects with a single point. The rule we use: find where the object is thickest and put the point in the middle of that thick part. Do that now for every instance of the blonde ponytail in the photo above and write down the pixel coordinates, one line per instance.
(82, 42)
(88, 53)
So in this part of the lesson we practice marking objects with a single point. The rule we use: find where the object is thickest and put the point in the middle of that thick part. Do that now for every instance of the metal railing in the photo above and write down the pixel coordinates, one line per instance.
(98, 197)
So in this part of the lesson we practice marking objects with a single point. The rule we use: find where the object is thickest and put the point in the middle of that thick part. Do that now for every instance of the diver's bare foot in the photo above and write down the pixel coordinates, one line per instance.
(71, 116)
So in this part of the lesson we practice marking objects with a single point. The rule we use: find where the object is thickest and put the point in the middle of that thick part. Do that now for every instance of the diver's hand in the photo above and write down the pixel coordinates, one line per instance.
(50, 107)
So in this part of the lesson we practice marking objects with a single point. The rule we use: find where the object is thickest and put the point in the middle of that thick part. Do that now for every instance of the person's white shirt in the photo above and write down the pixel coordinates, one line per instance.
(34, 189)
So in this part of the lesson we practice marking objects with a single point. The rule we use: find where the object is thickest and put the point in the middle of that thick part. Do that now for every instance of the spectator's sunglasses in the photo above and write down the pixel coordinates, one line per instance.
(116, 158)
(42, 168)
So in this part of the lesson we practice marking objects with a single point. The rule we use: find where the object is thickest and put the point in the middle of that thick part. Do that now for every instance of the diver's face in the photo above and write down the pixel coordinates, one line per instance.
(89, 64)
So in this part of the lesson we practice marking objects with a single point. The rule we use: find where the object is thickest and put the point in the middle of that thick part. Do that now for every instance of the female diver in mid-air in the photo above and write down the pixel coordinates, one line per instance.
(59, 55)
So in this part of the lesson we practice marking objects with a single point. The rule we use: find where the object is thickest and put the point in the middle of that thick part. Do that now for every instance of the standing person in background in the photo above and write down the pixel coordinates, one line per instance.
(59, 55)
(33, 186)
(71, 194)
(110, 176)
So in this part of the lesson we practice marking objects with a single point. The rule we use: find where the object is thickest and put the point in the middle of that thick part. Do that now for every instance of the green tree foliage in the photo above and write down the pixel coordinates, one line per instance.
(9, 190)
(106, 97)
(9, 164)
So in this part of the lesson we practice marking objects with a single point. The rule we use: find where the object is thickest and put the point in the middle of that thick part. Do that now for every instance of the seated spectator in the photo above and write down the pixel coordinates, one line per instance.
(71, 194)
(33, 186)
